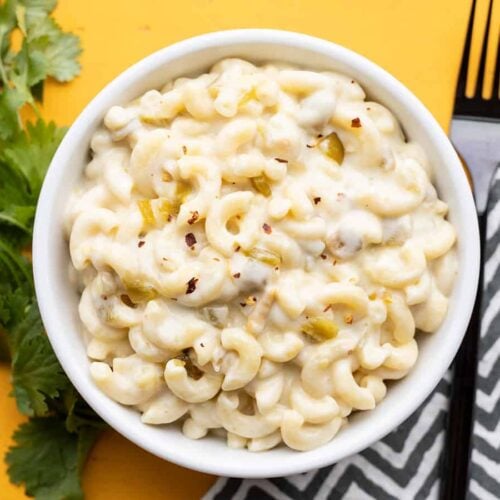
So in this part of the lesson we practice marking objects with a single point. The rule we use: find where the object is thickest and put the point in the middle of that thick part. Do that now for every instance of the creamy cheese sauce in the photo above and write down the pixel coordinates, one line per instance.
(256, 249)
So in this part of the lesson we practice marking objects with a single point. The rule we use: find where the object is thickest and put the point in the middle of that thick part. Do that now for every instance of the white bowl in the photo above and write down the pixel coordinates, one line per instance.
(58, 299)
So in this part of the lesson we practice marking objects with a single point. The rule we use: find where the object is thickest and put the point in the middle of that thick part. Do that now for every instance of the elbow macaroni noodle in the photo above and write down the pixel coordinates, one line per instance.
(257, 248)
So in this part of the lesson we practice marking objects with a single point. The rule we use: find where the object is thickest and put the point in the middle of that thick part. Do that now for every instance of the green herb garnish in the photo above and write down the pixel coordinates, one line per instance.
(50, 449)
(320, 329)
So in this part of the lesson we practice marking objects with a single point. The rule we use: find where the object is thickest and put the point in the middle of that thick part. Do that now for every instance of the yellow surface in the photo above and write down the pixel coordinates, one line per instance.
(420, 42)
(9, 420)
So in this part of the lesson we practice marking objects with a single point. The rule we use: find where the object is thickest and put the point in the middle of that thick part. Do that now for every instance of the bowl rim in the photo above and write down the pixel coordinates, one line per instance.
(42, 258)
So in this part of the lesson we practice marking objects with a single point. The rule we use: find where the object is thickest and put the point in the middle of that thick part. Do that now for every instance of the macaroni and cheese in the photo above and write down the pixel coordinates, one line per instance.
(256, 249)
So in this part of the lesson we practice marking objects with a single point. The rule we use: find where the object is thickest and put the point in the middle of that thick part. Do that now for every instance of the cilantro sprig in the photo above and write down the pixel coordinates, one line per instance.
(51, 447)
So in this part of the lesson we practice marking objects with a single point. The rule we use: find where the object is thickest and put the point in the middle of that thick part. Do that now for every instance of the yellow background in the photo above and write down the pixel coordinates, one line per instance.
(420, 42)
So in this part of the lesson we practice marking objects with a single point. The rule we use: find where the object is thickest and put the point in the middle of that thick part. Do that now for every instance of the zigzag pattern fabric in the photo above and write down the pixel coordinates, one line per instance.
(406, 464)
(484, 478)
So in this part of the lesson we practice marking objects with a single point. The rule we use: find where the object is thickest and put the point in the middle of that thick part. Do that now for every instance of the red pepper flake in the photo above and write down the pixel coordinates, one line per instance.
(319, 136)
(184, 149)
(190, 240)
(327, 308)
(317, 200)
(169, 218)
(281, 160)
(323, 256)
(194, 217)
(127, 301)
(191, 285)
(237, 249)
(267, 228)
(355, 123)
(236, 275)
(141, 243)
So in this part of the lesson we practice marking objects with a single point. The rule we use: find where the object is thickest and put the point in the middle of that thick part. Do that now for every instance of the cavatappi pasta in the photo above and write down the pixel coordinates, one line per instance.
(256, 248)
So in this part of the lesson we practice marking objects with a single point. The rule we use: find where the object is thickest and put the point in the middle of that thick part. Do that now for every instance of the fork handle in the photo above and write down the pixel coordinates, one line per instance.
(460, 414)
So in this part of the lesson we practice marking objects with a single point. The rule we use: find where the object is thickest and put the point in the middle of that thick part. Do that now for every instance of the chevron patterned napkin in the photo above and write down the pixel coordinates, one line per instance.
(407, 463)
(484, 483)
(404, 465)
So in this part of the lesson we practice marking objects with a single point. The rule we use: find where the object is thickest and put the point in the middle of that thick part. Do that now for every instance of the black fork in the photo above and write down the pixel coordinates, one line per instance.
(460, 420)
(476, 107)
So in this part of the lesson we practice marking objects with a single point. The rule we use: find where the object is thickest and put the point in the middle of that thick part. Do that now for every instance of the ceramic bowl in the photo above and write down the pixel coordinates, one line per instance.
(58, 299)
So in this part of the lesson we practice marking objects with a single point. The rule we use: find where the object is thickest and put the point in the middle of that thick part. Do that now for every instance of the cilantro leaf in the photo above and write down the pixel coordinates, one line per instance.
(36, 372)
(16, 289)
(25, 160)
(31, 153)
(7, 23)
(16, 206)
(13, 304)
(37, 6)
(56, 50)
(62, 62)
(19, 215)
(10, 102)
(79, 413)
(48, 459)
(37, 376)
(46, 51)
(50, 449)
(14, 269)
(30, 68)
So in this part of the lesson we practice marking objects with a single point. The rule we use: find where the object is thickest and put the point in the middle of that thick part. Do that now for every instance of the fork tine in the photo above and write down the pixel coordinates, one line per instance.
(464, 65)
(496, 78)
(484, 51)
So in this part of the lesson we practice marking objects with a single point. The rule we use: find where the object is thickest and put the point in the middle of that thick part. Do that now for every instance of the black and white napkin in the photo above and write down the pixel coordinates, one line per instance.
(484, 468)
(404, 465)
